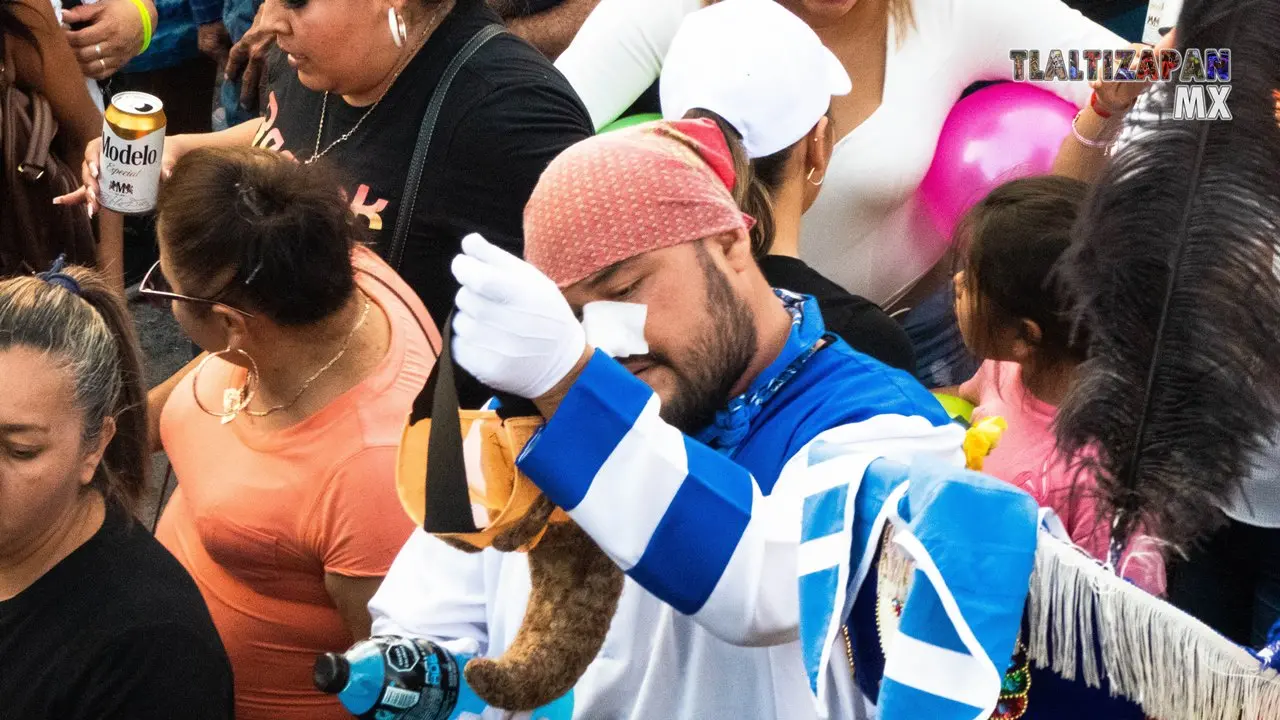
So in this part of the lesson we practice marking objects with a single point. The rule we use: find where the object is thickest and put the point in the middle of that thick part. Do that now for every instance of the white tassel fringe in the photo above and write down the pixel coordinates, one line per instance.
(1086, 622)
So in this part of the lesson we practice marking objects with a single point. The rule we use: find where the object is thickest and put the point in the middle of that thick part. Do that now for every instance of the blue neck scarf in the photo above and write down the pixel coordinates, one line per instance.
(733, 422)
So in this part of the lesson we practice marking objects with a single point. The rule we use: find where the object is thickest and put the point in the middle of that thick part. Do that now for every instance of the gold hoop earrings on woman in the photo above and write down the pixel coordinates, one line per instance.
(399, 33)
(234, 400)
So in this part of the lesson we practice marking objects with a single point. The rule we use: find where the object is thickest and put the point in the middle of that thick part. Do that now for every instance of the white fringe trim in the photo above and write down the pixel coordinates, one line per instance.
(1169, 663)
(1085, 623)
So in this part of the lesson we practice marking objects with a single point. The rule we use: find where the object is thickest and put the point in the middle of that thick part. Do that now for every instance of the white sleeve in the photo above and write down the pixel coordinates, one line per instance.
(434, 592)
(986, 30)
(755, 602)
(618, 52)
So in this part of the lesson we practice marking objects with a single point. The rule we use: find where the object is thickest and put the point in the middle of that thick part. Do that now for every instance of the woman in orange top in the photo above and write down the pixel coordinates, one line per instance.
(284, 436)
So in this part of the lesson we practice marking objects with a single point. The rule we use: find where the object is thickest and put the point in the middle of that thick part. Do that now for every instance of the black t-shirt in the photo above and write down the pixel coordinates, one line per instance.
(508, 113)
(857, 321)
(116, 631)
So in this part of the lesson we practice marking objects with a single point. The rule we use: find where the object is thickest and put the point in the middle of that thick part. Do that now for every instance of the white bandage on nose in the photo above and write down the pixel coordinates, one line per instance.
(616, 328)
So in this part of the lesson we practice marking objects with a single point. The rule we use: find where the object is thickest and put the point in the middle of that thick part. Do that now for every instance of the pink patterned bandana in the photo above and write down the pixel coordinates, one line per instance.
(612, 197)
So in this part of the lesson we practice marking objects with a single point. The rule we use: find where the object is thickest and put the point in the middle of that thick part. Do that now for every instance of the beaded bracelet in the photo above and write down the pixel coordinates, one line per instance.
(1095, 144)
(146, 24)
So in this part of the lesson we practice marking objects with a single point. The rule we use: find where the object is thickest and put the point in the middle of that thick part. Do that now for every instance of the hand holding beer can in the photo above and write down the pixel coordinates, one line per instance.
(132, 153)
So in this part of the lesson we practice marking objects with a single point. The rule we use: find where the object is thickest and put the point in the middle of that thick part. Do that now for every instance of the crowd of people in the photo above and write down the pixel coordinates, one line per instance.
(726, 318)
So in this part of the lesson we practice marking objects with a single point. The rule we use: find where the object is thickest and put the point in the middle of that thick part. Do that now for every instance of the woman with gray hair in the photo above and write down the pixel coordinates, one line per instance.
(97, 620)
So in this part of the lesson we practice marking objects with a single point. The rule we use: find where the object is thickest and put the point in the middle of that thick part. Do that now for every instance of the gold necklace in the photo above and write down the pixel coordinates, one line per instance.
(342, 351)
(316, 153)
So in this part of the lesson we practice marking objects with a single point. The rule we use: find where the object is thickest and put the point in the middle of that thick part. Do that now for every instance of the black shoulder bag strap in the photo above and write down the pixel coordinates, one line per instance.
(409, 199)
(448, 507)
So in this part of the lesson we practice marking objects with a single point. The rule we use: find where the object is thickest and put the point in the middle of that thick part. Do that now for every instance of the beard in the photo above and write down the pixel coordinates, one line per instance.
(716, 361)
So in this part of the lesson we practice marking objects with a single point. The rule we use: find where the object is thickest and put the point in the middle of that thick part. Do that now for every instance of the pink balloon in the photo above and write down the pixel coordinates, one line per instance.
(994, 135)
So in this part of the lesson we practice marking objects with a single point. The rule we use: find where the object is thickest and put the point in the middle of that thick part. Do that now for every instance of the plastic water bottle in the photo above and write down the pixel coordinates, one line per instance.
(394, 678)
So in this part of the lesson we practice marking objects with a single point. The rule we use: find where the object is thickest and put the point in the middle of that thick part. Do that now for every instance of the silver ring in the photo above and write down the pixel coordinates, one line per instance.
(98, 47)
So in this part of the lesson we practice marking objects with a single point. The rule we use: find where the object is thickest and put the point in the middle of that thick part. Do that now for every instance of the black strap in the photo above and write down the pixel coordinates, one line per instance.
(448, 495)
(395, 254)
(448, 507)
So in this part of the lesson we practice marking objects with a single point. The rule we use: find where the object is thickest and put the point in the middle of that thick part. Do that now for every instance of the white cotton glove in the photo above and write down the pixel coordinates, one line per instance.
(513, 330)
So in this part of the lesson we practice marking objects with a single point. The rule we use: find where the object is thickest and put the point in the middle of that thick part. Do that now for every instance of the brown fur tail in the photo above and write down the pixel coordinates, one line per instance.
(526, 528)
(575, 594)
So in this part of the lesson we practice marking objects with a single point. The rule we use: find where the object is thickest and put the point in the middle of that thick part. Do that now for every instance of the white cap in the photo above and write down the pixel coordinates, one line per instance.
(756, 65)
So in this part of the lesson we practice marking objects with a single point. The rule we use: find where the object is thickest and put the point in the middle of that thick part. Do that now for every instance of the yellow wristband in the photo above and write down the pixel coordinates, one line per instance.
(146, 24)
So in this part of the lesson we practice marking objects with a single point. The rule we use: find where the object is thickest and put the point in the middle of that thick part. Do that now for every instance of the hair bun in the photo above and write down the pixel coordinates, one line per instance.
(254, 200)
(268, 222)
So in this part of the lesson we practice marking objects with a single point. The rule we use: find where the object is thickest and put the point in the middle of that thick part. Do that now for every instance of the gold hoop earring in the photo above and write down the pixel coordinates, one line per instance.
(809, 177)
(399, 34)
(234, 400)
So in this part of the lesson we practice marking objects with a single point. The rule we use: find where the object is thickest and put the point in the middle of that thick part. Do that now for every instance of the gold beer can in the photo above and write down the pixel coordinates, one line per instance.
(132, 153)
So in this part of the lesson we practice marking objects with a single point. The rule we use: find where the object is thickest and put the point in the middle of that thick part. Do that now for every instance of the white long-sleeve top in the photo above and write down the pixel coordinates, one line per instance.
(867, 230)
(708, 625)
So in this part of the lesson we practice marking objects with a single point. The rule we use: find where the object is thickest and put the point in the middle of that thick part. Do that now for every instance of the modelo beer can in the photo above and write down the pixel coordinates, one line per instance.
(132, 152)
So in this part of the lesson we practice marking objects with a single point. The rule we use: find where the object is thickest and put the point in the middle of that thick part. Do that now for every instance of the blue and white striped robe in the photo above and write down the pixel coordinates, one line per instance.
(711, 542)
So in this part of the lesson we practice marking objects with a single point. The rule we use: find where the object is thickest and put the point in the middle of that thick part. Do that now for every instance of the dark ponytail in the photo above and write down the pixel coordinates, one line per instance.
(88, 331)
(755, 184)
(1011, 242)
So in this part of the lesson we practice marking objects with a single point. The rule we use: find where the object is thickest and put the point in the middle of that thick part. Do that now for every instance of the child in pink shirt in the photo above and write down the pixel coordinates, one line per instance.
(1014, 316)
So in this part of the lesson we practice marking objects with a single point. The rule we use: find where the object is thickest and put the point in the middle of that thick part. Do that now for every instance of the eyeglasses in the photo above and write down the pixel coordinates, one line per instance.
(155, 286)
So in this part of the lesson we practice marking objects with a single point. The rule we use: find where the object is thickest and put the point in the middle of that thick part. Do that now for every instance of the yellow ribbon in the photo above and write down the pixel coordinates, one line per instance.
(981, 439)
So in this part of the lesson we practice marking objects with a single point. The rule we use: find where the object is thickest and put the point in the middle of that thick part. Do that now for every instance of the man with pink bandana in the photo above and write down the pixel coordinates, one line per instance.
(690, 457)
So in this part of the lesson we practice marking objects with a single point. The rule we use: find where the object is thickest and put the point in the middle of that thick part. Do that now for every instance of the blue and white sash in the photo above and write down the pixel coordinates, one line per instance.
(973, 541)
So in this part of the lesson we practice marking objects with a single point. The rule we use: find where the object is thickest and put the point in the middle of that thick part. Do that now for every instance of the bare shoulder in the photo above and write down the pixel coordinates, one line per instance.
(38, 17)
